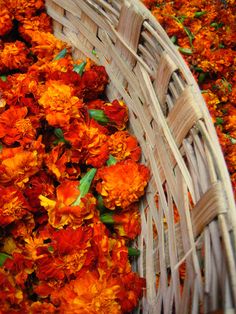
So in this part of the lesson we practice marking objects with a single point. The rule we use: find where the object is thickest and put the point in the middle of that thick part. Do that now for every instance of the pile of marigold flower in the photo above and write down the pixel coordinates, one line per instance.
(205, 33)
(69, 177)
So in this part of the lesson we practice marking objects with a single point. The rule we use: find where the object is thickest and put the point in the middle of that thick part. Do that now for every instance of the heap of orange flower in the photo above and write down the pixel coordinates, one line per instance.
(70, 179)
(205, 33)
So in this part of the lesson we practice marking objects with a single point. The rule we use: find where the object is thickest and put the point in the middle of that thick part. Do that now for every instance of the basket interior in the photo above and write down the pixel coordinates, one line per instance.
(188, 213)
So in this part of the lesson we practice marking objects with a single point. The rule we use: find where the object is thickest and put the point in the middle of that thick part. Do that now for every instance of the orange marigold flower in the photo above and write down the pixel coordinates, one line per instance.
(68, 240)
(24, 8)
(42, 307)
(60, 104)
(93, 82)
(18, 168)
(122, 146)
(19, 86)
(62, 212)
(116, 113)
(119, 256)
(41, 22)
(128, 223)
(101, 241)
(13, 205)
(40, 183)
(10, 295)
(19, 266)
(45, 45)
(230, 157)
(122, 184)
(91, 140)
(14, 56)
(89, 294)
(16, 127)
(5, 21)
(132, 291)
(63, 163)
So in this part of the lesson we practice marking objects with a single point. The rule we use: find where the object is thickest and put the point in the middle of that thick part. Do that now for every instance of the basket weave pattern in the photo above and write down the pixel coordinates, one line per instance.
(171, 122)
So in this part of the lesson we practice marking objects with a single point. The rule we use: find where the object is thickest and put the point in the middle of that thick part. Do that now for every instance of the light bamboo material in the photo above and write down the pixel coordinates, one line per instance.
(172, 124)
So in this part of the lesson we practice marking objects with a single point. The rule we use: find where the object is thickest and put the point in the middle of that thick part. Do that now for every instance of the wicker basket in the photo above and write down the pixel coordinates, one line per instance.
(171, 121)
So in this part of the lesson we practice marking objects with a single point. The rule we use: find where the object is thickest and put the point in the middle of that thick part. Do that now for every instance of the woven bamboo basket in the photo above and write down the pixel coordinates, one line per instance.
(175, 131)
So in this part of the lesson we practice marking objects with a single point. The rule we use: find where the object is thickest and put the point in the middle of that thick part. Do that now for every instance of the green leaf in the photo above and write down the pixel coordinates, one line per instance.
(79, 68)
(219, 121)
(197, 69)
(190, 35)
(84, 185)
(201, 77)
(98, 115)
(107, 218)
(59, 133)
(221, 45)
(50, 249)
(3, 78)
(1, 147)
(3, 258)
(199, 13)
(133, 252)
(173, 39)
(111, 161)
(61, 54)
(232, 140)
(185, 51)
(100, 204)
(216, 25)
(94, 52)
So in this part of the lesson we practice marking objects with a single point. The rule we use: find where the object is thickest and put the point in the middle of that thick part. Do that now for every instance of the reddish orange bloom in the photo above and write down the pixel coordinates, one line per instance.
(19, 86)
(45, 45)
(91, 140)
(42, 307)
(18, 168)
(122, 184)
(116, 112)
(122, 146)
(20, 266)
(60, 104)
(24, 8)
(93, 83)
(14, 56)
(41, 22)
(128, 223)
(62, 163)
(16, 127)
(5, 21)
(119, 256)
(132, 291)
(13, 205)
(40, 183)
(62, 212)
(69, 251)
(10, 295)
(89, 294)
